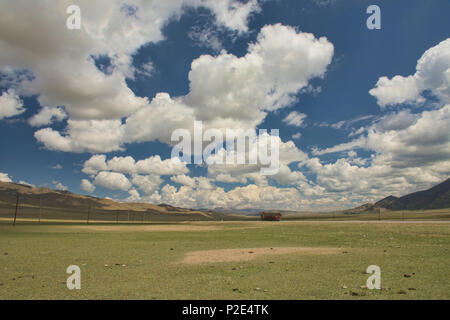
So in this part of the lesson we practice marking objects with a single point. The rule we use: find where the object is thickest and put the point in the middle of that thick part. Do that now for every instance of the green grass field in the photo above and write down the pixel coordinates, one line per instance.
(146, 261)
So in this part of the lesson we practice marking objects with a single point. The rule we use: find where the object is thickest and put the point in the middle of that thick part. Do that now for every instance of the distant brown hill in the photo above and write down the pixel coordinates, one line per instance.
(437, 197)
(49, 198)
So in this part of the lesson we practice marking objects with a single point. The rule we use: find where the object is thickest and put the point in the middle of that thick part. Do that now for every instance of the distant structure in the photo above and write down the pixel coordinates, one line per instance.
(270, 216)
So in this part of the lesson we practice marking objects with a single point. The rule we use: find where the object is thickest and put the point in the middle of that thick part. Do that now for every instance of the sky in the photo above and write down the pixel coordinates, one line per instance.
(362, 113)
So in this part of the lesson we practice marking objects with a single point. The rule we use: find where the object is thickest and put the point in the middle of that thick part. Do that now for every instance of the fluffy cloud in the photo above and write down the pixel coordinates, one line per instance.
(10, 105)
(122, 164)
(397, 90)
(86, 185)
(231, 92)
(432, 73)
(225, 92)
(63, 73)
(4, 177)
(193, 182)
(158, 120)
(143, 174)
(232, 173)
(134, 196)
(228, 178)
(95, 164)
(62, 66)
(148, 184)
(295, 119)
(61, 61)
(424, 142)
(265, 79)
(152, 165)
(46, 116)
(370, 183)
(285, 176)
(229, 13)
(405, 139)
(408, 151)
(84, 135)
(112, 180)
(250, 196)
(59, 186)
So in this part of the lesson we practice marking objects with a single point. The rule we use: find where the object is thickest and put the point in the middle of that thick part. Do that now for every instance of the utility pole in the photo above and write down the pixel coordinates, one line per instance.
(17, 207)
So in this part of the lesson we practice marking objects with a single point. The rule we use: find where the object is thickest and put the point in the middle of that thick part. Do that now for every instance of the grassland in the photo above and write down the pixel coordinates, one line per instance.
(148, 261)
(434, 214)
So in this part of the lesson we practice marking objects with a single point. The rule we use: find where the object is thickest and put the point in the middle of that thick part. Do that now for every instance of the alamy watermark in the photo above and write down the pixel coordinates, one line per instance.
(262, 149)
(73, 22)
(374, 281)
(374, 20)
(74, 280)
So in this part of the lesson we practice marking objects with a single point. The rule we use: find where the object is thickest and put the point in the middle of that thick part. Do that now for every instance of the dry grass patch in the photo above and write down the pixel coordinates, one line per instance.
(246, 254)
(174, 227)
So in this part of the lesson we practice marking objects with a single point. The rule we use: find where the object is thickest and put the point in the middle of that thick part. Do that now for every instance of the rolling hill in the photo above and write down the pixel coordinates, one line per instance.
(32, 197)
(437, 197)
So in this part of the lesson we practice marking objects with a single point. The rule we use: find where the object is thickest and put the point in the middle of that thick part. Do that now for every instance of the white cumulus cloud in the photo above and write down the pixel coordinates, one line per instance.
(10, 105)
(46, 116)
(112, 181)
(86, 185)
(432, 73)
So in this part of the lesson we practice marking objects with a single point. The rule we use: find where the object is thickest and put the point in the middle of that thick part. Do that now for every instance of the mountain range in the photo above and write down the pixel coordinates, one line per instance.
(437, 197)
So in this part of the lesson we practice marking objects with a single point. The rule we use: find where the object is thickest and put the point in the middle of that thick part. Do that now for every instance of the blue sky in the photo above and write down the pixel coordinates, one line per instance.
(370, 108)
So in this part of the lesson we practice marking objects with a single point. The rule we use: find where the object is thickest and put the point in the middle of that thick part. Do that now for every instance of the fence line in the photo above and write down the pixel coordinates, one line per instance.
(22, 207)
(31, 208)
(23, 211)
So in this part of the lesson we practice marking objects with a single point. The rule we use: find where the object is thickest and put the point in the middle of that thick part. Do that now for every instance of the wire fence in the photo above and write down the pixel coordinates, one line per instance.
(42, 214)
(30, 208)
(25, 208)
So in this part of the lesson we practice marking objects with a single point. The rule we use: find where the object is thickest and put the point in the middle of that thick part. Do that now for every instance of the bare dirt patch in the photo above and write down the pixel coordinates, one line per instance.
(246, 254)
